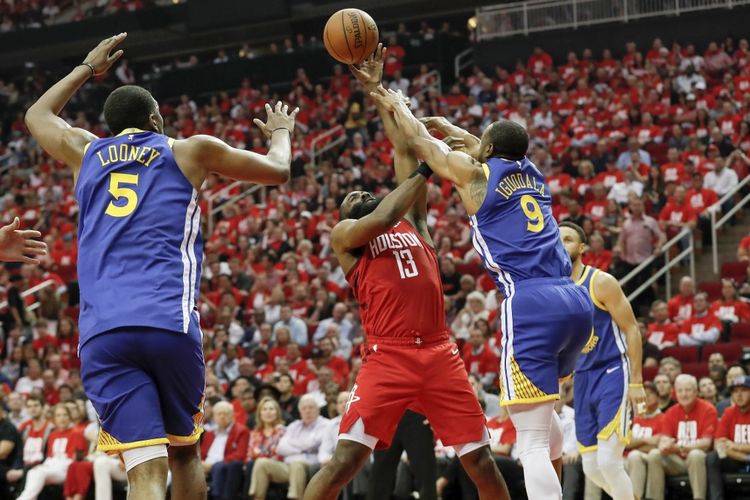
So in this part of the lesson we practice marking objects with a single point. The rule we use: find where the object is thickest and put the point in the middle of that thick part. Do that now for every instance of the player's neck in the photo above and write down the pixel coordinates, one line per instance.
(575, 275)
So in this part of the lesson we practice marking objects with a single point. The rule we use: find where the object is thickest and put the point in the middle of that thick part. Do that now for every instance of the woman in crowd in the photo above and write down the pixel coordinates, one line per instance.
(264, 439)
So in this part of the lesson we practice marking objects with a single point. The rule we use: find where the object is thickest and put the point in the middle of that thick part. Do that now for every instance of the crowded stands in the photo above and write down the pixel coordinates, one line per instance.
(635, 148)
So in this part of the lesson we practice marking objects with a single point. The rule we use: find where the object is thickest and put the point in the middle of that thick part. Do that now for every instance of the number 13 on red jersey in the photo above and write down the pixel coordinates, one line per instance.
(407, 268)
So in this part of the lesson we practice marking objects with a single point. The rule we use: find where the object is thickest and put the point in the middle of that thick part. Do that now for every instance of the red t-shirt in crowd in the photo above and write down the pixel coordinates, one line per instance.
(486, 361)
(660, 334)
(701, 199)
(689, 427)
(680, 308)
(673, 212)
(739, 308)
(33, 445)
(699, 324)
(501, 431)
(647, 427)
(65, 444)
(600, 260)
(734, 425)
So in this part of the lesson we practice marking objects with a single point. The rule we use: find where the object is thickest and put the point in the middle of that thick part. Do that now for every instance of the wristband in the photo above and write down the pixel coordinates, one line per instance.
(281, 128)
(90, 66)
(635, 386)
(422, 169)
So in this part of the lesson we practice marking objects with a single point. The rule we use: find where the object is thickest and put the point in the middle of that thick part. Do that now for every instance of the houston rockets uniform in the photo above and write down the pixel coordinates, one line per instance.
(602, 376)
(409, 361)
(139, 264)
(546, 318)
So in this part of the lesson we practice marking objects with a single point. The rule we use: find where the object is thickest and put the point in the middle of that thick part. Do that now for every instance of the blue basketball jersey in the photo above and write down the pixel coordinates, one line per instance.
(514, 231)
(607, 346)
(139, 242)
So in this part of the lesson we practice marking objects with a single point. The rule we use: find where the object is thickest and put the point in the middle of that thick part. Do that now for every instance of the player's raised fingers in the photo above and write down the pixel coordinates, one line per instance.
(278, 107)
(30, 233)
(30, 260)
(259, 123)
(35, 251)
(285, 109)
(294, 113)
(269, 109)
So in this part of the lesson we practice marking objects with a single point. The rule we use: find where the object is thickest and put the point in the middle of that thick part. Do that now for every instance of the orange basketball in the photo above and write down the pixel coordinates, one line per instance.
(350, 36)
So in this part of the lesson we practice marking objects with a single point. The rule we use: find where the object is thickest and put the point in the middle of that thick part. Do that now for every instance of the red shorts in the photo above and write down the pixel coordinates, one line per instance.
(429, 379)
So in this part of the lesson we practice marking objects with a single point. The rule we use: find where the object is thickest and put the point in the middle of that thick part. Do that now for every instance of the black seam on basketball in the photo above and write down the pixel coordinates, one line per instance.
(346, 39)
(333, 51)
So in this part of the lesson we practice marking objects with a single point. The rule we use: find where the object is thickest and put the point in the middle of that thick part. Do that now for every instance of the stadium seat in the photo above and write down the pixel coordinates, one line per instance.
(697, 369)
(741, 332)
(732, 351)
(712, 288)
(683, 354)
(649, 372)
(736, 270)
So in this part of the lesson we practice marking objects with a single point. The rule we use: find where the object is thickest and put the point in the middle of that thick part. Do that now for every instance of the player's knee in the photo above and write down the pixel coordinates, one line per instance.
(653, 457)
(479, 463)
(181, 455)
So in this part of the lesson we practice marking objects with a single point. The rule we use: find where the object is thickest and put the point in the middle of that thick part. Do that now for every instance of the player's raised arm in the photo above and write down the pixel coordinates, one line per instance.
(609, 293)
(458, 139)
(459, 168)
(369, 74)
(63, 142)
(350, 234)
(204, 153)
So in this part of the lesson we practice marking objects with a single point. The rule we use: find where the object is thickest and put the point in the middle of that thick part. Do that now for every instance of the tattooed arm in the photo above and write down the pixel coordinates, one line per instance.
(459, 168)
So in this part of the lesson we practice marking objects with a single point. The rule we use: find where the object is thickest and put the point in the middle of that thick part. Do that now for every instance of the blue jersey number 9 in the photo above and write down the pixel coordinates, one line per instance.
(531, 208)
(131, 197)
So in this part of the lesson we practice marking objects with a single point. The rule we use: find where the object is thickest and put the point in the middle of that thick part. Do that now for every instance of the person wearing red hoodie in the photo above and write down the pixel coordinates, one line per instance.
(64, 443)
(223, 451)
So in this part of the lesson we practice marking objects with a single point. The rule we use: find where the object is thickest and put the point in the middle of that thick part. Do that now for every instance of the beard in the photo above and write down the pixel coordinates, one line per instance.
(364, 208)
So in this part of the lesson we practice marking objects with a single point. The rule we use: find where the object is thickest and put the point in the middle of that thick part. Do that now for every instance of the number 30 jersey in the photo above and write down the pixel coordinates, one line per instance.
(139, 242)
(514, 231)
(397, 284)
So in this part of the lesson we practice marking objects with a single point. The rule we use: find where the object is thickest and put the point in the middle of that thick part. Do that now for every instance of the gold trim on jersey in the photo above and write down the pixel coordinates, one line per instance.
(486, 170)
(170, 141)
(596, 301)
(86, 147)
(587, 449)
(615, 427)
(131, 130)
(109, 444)
(524, 389)
(586, 271)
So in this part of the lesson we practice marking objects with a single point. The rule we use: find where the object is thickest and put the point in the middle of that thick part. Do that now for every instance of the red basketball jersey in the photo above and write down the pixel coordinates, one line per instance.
(397, 284)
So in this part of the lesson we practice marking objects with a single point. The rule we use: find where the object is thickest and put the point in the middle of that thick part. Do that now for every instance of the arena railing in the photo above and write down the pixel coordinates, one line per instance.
(316, 151)
(31, 291)
(545, 15)
(715, 209)
(669, 263)
(462, 61)
(215, 207)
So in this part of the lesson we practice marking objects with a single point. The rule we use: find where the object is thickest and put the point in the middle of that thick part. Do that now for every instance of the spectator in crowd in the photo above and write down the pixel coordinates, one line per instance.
(722, 180)
(688, 433)
(223, 451)
(35, 433)
(489, 401)
(661, 331)
(671, 367)
(707, 390)
(299, 449)
(264, 438)
(466, 317)
(107, 469)
(681, 305)
(640, 239)
(597, 255)
(624, 160)
(297, 327)
(339, 319)
(732, 373)
(732, 444)
(32, 380)
(702, 327)
(645, 435)
(651, 353)
(664, 389)
(729, 308)
(62, 446)
(17, 413)
(479, 357)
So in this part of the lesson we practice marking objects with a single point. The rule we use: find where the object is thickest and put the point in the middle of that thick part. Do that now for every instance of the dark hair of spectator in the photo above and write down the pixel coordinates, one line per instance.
(578, 229)
(509, 140)
(129, 106)
(37, 398)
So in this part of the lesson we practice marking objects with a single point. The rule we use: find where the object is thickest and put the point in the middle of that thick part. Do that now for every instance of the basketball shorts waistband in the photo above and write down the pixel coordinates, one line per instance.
(415, 341)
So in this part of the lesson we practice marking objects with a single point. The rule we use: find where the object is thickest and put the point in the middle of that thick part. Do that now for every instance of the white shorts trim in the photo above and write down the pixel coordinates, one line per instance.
(137, 456)
(358, 435)
(463, 449)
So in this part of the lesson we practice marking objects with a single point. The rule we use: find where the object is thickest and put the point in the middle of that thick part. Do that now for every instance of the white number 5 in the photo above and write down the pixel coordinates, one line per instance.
(407, 268)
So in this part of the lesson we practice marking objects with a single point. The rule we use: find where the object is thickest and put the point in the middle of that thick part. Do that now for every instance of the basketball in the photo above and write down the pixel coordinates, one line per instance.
(350, 36)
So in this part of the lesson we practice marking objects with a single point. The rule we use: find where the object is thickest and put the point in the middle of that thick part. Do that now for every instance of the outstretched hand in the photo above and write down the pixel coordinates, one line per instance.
(100, 57)
(17, 245)
(370, 72)
(278, 117)
(637, 397)
(388, 98)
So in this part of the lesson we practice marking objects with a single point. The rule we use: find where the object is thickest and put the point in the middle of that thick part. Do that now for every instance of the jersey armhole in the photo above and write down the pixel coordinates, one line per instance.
(596, 301)
(86, 148)
(486, 170)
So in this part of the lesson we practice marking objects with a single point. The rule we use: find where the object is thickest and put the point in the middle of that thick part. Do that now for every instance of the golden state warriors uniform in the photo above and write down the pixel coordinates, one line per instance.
(546, 318)
(139, 265)
(602, 378)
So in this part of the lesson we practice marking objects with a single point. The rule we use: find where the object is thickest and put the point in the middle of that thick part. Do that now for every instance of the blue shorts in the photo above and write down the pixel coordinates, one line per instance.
(545, 323)
(147, 386)
(601, 405)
